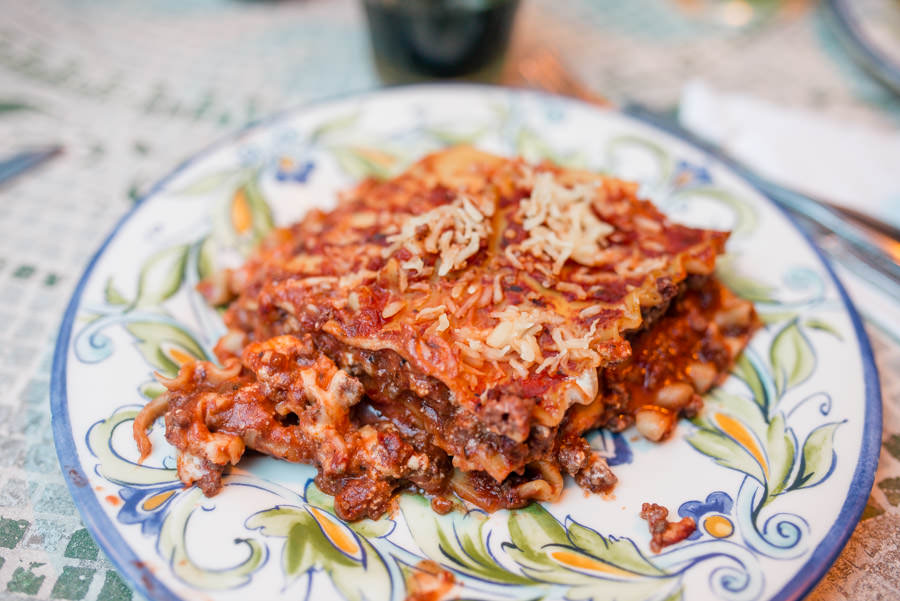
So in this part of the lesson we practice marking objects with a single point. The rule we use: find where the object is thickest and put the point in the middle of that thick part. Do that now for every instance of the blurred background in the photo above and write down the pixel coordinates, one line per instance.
(105, 97)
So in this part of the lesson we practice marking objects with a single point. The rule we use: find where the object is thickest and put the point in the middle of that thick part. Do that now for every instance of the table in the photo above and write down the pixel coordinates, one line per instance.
(130, 88)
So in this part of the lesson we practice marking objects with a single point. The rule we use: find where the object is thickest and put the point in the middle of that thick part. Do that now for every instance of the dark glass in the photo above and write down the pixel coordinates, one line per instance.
(439, 38)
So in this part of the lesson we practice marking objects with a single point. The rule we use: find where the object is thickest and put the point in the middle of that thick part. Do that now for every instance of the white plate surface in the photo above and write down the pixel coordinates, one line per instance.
(776, 470)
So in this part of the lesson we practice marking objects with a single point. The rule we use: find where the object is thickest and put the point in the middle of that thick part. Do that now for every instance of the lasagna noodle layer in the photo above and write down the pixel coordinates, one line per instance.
(375, 425)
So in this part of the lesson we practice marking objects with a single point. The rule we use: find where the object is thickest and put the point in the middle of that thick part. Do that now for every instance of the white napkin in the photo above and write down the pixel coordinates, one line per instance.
(808, 152)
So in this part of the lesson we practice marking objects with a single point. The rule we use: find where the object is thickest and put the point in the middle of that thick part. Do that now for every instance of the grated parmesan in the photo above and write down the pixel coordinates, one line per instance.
(498, 290)
(430, 312)
(635, 266)
(517, 331)
(561, 223)
(453, 231)
(569, 346)
(414, 264)
(392, 309)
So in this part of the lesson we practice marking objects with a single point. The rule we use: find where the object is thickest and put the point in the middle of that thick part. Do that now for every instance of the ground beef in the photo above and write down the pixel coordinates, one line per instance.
(664, 532)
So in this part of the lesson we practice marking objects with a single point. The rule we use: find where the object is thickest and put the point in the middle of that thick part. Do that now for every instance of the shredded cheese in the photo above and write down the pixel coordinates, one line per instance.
(561, 223)
(453, 231)
(430, 312)
(498, 290)
(517, 331)
(635, 266)
(592, 310)
(568, 346)
(515, 340)
(392, 309)
(414, 264)
(574, 289)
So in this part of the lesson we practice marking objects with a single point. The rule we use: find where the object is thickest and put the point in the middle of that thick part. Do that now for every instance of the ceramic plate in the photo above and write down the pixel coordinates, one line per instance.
(775, 471)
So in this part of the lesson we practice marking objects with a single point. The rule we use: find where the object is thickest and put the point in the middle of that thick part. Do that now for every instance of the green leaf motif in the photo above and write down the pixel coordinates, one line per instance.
(745, 221)
(360, 162)
(151, 389)
(823, 326)
(206, 262)
(299, 549)
(452, 137)
(165, 346)
(589, 565)
(161, 276)
(770, 318)
(535, 149)
(551, 557)
(818, 456)
(745, 370)
(533, 532)
(112, 294)
(532, 147)
(277, 522)
(173, 546)
(209, 182)
(455, 536)
(311, 542)
(792, 357)
(112, 465)
(744, 410)
(744, 286)
(262, 215)
(334, 126)
(677, 595)
(365, 527)
(531, 529)
(241, 220)
(305, 547)
(780, 452)
(727, 453)
(734, 431)
(630, 145)
(619, 552)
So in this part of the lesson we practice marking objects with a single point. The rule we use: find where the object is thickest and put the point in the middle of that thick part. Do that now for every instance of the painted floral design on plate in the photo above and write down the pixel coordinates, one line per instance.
(770, 470)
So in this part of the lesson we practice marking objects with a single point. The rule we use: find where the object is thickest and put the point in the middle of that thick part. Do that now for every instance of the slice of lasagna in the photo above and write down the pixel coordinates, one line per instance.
(458, 329)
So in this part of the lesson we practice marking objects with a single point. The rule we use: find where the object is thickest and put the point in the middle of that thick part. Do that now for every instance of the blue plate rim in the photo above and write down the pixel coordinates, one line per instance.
(141, 578)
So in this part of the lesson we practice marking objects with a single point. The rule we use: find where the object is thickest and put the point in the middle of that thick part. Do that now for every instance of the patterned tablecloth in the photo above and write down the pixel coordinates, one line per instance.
(130, 88)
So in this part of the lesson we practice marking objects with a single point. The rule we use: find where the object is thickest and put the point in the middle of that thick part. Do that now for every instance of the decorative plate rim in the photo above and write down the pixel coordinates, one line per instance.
(131, 566)
(862, 48)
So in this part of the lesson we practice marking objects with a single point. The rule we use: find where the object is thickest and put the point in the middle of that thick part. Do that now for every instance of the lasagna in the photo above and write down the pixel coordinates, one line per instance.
(456, 331)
